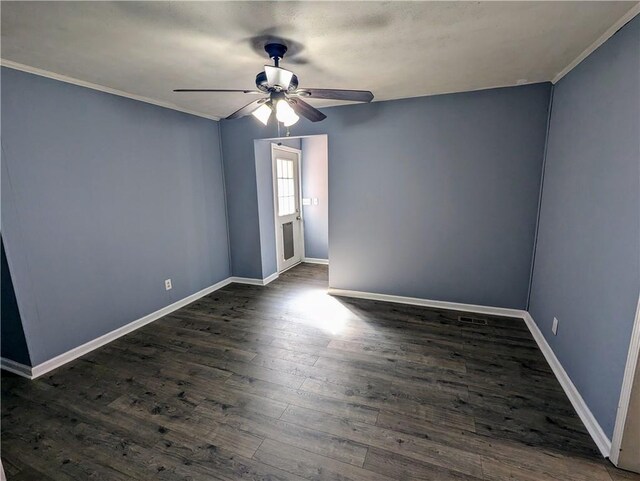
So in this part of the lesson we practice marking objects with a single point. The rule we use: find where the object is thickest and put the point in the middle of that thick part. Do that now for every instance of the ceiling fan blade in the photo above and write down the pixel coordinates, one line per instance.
(277, 76)
(247, 109)
(335, 94)
(302, 108)
(255, 92)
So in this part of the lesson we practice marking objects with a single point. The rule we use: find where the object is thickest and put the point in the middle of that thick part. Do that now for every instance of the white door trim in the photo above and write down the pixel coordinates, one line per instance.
(298, 152)
(274, 145)
(627, 385)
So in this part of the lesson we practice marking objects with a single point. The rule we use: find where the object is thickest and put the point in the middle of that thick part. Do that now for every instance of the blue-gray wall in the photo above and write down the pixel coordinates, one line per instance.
(264, 187)
(242, 200)
(587, 263)
(315, 184)
(14, 344)
(103, 198)
(433, 197)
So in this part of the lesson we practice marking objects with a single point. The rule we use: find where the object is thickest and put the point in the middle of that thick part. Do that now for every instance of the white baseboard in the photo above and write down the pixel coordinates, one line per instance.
(47, 366)
(586, 416)
(51, 364)
(253, 281)
(247, 280)
(270, 278)
(15, 367)
(416, 301)
(591, 424)
(314, 260)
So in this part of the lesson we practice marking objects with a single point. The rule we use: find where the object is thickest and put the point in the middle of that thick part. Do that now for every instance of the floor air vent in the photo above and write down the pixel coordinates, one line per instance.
(472, 320)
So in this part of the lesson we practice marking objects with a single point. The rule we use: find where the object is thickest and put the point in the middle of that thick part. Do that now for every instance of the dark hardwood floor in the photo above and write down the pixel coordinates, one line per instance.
(287, 383)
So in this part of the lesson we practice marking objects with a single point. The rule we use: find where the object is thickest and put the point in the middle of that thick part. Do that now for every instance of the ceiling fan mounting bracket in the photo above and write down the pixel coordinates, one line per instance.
(275, 51)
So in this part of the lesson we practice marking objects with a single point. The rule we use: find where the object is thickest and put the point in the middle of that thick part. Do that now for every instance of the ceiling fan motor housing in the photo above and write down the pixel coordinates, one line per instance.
(275, 50)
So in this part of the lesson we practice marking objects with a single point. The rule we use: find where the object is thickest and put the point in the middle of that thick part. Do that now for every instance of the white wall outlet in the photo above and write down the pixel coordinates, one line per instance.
(315, 201)
(306, 201)
(167, 284)
(554, 327)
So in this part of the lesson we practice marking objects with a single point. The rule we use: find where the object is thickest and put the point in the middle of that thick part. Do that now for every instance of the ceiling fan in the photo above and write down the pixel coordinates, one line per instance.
(285, 98)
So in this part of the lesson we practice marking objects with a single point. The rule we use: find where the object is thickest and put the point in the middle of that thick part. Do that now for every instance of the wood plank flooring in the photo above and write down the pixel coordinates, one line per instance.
(287, 383)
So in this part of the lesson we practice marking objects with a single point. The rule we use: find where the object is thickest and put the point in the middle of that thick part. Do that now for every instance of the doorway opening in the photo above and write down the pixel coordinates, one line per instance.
(292, 174)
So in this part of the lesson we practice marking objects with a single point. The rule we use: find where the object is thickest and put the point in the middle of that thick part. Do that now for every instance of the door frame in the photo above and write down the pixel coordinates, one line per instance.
(627, 386)
(298, 152)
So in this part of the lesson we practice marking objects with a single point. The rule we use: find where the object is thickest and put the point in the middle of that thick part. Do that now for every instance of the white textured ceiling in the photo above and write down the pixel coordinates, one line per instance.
(394, 49)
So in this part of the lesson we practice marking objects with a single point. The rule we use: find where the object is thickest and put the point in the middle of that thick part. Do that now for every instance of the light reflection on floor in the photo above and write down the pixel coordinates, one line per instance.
(318, 309)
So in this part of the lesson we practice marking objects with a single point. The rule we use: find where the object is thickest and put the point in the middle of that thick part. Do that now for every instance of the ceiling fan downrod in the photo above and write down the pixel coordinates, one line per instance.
(276, 52)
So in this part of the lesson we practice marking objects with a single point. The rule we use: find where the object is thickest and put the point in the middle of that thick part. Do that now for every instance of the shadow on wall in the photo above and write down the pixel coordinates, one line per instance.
(14, 344)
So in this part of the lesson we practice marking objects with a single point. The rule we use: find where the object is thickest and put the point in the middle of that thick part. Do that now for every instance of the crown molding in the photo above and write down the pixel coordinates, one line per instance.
(100, 88)
(610, 32)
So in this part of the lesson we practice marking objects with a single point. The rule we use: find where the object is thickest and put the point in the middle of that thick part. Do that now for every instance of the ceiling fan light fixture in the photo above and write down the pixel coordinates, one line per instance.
(284, 96)
(292, 120)
(285, 113)
(263, 113)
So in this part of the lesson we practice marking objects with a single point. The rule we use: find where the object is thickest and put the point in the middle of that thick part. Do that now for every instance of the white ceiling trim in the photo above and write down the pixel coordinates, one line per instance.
(101, 88)
(168, 103)
(610, 32)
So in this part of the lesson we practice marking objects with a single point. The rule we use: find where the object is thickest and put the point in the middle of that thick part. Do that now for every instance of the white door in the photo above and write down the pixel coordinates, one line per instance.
(288, 218)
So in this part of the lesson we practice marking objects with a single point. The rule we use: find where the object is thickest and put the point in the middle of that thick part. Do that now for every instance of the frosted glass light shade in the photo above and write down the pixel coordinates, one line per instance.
(262, 113)
(285, 113)
(291, 120)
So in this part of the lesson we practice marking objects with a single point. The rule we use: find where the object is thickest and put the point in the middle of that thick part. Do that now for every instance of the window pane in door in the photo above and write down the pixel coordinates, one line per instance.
(286, 187)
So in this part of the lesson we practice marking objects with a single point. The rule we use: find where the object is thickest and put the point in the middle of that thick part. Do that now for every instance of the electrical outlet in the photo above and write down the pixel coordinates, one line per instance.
(554, 327)
(167, 284)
